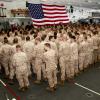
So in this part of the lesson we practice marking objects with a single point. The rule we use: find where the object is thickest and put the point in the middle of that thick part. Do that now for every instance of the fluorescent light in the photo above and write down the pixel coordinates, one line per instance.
(44, 0)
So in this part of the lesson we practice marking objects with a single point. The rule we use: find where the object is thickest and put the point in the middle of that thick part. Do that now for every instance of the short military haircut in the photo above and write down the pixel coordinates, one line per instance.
(23, 37)
(5, 40)
(48, 45)
(15, 40)
(21, 32)
(35, 36)
(73, 37)
(18, 46)
(55, 33)
(69, 34)
(43, 37)
(50, 37)
(89, 35)
(95, 32)
(39, 39)
(27, 38)
(85, 37)
(84, 33)
(76, 33)
(16, 34)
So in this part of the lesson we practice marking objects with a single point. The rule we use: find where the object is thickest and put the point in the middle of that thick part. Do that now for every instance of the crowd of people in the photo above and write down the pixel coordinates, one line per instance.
(67, 50)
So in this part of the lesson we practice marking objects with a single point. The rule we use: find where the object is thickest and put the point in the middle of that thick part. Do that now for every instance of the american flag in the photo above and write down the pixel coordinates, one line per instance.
(43, 14)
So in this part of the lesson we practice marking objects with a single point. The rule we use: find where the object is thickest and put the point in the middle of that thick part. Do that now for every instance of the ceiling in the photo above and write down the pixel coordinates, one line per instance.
(95, 4)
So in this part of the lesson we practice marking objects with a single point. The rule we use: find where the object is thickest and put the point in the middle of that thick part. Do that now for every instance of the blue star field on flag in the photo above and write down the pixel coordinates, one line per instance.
(36, 11)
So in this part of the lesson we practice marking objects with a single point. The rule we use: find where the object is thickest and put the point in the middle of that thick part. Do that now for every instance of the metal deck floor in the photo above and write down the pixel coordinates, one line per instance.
(89, 79)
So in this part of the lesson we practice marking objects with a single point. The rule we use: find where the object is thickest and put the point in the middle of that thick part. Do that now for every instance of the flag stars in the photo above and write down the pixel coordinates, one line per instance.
(36, 11)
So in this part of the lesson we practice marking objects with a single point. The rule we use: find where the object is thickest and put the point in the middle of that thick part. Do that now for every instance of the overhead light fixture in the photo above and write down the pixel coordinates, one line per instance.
(44, 0)
(89, 1)
(7, 0)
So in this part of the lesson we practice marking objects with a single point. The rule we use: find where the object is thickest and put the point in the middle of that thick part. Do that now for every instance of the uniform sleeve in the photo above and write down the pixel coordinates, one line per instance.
(79, 48)
(1, 52)
(11, 51)
(14, 60)
(60, 51)
(34, 52)
(98, 41)
(23, 47)
(26, 60)
(56, 49)
(56, 58)
(44, 59)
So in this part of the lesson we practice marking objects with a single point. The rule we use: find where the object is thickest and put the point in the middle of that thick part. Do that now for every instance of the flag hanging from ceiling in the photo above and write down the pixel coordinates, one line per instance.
(43, 14)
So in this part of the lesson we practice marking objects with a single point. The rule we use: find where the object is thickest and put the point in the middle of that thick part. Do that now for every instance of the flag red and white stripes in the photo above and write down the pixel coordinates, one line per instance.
(53, 14)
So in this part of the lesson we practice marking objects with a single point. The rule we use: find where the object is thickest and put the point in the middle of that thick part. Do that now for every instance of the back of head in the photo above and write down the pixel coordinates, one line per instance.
(18, 46)
(85, 37)
(43, 37)
(23, 37)
(95, 32)
(27, 38)
(16, 34)
(73, 37)
(35, 36)
(51, 37)
(47, 45)
(38, 39)
(15, 40)
(5, 40)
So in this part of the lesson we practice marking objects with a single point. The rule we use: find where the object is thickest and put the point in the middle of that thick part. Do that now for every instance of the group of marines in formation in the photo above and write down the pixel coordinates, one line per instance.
(67, 50)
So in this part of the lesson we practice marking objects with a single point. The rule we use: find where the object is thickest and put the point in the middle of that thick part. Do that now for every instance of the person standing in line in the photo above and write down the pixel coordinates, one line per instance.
(51, 67)
(20, 63)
